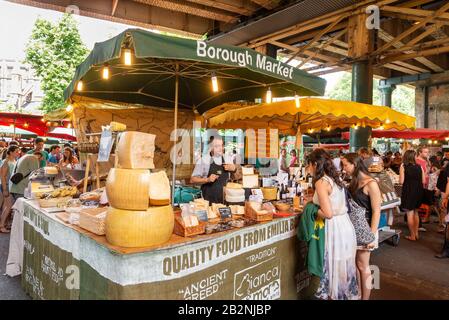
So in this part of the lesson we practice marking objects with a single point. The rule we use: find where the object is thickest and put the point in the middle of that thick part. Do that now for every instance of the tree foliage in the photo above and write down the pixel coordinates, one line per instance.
(403, 97)
(54, 51)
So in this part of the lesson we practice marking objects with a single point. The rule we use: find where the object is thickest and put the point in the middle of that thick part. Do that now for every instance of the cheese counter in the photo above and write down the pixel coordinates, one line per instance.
(63, 261)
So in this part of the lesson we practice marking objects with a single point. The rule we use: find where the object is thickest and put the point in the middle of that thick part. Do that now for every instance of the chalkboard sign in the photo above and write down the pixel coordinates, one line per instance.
(105, 146)
(202, 215)
(225, 213)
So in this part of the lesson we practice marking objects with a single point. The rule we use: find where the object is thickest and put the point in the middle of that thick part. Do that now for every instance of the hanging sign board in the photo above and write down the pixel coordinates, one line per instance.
(105, 146)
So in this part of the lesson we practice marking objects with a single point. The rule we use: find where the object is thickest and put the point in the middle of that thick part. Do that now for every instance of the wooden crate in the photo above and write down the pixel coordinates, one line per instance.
(251, 214)
(181, 230)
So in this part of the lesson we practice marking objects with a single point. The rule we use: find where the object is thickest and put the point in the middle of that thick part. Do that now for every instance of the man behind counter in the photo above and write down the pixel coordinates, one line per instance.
(213, 172)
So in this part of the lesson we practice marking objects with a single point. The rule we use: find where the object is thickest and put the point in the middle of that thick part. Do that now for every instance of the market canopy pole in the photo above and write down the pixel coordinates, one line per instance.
(361, 42)
(175, 152)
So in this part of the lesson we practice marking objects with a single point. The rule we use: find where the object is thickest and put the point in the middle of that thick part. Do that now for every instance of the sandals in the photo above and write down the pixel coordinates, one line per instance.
(409, 238)
(4, 230)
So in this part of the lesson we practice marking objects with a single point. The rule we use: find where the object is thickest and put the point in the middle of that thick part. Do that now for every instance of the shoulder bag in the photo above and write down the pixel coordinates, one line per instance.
(363, 232)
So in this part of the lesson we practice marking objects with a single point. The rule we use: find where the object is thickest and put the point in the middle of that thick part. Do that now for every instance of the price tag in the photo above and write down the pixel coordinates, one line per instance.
(225, 213)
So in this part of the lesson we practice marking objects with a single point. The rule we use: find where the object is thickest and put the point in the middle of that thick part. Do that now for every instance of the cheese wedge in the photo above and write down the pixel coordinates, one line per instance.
(128, 189)
(135, 150)
(159, 189)
(145, 228)
(250, 181)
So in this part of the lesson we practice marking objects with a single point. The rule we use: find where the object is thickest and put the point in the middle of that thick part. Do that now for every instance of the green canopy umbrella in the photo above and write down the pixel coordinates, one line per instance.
(172, 72)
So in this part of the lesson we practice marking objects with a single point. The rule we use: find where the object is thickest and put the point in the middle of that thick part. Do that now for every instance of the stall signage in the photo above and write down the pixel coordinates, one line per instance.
(105, 146)
(244, 58)
(225, 213)
(259, 282)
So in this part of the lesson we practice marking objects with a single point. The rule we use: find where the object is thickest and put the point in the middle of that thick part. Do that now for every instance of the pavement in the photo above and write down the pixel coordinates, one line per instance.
(407, 272)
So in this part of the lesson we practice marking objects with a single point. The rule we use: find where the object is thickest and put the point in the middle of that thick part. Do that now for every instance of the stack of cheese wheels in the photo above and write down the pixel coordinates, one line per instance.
(140, 213)
(234, 193)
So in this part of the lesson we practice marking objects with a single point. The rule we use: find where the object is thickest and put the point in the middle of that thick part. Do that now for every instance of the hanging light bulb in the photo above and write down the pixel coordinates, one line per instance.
(429, 142)
(381, 126)
(214, 83)
(79, 86)
(269, 96)
(69, 125)
(69, 108)
(328, 128)
(387, 121)
(127, 57)
(48, 124)
(11, 126)
(310, 130)
(42, 120)
(447, 138)
(356, 126)
(105, 72)
(26, 125)
(296, 101)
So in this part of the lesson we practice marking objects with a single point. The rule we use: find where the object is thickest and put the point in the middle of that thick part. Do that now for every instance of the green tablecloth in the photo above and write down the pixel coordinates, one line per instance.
(263, 261)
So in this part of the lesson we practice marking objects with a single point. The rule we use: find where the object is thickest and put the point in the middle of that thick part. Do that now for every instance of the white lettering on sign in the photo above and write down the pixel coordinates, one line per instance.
(260, 282)
(35, 282)
(204, 288)
(28, 247)
(262, 255)
(244, 59)
(49, 268)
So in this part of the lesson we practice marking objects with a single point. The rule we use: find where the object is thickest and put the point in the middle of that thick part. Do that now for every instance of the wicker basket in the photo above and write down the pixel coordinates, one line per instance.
(181, 230)
(93, 220)
(53, 202)
(270, 193)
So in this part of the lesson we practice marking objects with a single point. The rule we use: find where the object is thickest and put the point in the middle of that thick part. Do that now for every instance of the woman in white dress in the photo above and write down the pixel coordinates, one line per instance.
(339, 280)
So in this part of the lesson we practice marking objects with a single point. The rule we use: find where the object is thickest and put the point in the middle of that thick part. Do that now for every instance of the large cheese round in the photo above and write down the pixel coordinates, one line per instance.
(128, 189)
(235, 192)
(134, 229)
(235, 199)
(135, 150)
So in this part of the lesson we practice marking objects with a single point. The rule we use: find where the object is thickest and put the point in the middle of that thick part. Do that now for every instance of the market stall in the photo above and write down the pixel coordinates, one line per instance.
(311, 115)
(125, 239)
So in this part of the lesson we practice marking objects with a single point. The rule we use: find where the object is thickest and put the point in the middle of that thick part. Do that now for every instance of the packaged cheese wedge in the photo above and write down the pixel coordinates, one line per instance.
(128, 189)
(159, 189)
(135, 150)
(130, 229)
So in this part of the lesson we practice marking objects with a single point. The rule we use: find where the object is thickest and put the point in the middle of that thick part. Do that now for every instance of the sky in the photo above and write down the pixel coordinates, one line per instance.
(16, 24)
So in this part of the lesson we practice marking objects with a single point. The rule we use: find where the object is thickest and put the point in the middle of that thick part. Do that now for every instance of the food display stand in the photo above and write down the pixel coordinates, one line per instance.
(62, 261)
(156, 84)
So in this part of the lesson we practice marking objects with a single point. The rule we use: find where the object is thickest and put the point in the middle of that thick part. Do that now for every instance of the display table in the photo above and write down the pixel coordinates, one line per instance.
(62, 261)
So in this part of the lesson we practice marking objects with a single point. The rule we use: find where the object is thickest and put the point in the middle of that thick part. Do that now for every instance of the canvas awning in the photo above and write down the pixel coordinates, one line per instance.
(243, 74)
(419, 133)
(313, 114)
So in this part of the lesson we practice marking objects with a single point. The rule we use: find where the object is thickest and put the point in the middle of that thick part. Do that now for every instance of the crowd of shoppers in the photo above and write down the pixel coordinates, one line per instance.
(346, 273)
(16, 159)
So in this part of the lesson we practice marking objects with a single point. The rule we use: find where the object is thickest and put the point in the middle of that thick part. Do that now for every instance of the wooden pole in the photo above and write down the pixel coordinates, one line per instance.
(175, 152)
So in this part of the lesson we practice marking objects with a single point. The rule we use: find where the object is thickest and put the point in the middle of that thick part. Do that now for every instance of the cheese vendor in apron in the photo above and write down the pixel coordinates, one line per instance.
(212, 172)
(213, 191)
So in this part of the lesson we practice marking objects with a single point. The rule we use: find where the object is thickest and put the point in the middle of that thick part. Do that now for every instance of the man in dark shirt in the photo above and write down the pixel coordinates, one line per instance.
(443, 186)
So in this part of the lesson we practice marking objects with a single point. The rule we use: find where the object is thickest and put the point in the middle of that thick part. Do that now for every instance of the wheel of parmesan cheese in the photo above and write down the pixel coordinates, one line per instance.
(135, 150)
(235, 192)
(128, 189)
(133, 229)
(236, 199)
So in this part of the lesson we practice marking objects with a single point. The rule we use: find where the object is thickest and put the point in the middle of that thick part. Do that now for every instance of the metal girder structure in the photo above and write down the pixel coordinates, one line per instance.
(192, 18)
(409, 51)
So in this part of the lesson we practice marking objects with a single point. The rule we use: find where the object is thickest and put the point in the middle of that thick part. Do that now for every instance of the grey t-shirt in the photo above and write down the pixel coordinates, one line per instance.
(25, 165)
(203, 165)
